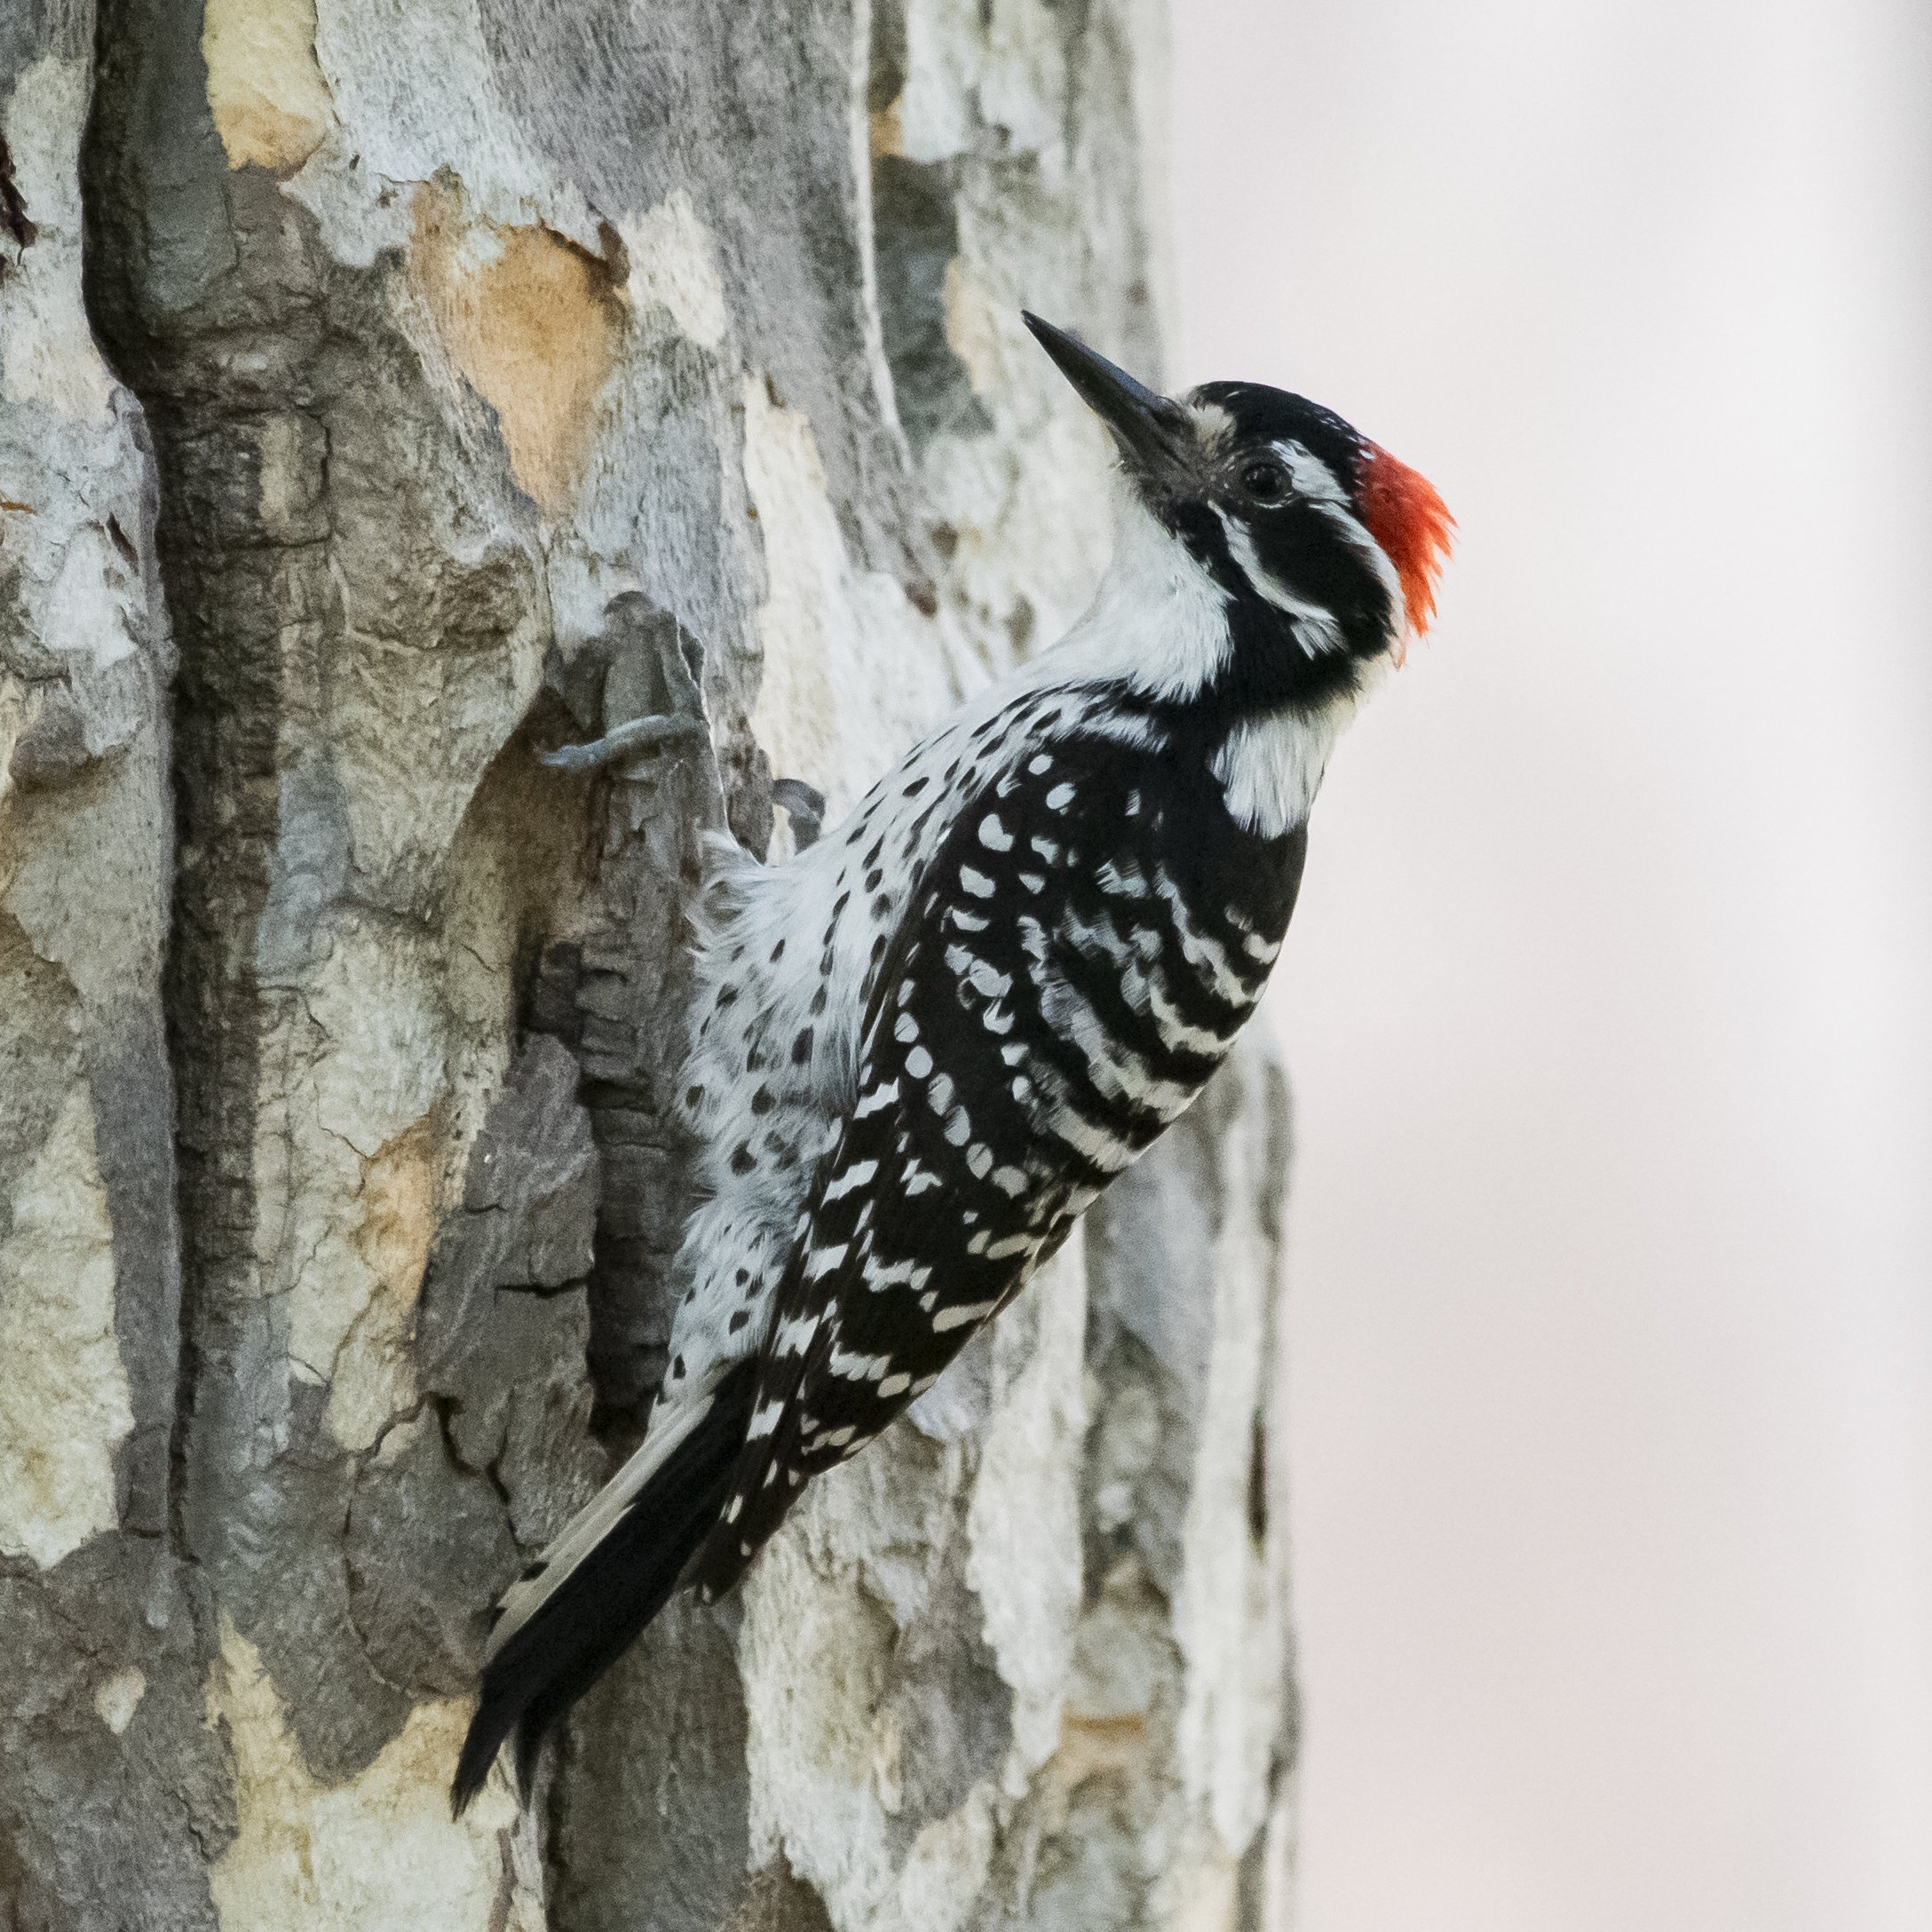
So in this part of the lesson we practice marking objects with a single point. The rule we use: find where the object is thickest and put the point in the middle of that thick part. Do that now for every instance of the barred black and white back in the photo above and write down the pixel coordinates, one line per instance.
(923, 1047)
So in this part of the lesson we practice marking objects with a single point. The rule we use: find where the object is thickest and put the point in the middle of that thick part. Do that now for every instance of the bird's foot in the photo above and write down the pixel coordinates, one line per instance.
(625, 741)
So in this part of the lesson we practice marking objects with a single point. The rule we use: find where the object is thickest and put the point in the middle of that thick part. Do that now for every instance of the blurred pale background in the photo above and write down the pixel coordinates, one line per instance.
(1607, 1002)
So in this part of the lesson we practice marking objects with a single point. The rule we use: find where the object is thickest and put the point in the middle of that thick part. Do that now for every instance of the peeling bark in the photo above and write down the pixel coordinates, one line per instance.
(386, 394)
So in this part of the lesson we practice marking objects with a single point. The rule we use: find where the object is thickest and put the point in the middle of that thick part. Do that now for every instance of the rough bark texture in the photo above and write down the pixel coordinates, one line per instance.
(387, 391)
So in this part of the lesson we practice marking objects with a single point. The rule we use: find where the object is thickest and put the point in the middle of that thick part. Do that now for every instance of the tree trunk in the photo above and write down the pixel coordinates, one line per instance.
(388, 392)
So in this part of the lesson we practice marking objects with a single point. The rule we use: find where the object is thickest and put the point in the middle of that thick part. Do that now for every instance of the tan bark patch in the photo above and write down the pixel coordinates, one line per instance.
(1100, 1747)
(271, 105)
(375, 1377)
(887, 129)
(399, 1208)
(533, 324)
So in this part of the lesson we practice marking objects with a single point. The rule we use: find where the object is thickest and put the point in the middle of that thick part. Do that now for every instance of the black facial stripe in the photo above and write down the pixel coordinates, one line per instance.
(1303, 550)
(1301, 546)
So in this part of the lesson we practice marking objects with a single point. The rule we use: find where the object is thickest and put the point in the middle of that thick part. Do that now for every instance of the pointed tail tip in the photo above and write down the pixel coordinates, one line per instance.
(463, 1790)
(592, 1606)
(478, 1757)
(475, 1761)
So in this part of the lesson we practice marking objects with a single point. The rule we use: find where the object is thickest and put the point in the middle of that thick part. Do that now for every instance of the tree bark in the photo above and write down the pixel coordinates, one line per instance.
(388, 392)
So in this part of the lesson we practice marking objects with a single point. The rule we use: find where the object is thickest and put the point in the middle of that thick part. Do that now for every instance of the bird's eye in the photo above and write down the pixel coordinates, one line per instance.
(1265, 482)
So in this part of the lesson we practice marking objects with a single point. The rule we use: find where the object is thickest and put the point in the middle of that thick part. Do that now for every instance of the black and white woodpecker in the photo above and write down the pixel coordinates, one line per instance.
(920, 1049)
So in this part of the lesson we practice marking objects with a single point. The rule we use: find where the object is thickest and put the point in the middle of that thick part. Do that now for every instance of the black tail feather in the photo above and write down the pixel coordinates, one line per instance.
(576, 1633)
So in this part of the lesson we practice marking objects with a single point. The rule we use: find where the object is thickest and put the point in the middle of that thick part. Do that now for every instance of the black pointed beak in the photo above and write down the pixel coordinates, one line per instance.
(1154, 432)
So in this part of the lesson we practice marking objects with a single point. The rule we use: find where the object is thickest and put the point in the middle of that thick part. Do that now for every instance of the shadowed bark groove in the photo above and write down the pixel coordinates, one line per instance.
(384, 397)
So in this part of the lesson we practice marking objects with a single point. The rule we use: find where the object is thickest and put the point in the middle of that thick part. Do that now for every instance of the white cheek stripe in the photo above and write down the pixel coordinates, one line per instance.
(1316, 482)
(1314, 625)
(1314, 479)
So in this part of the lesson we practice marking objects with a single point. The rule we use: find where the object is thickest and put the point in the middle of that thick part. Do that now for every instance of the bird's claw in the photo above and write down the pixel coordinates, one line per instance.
(626, 740)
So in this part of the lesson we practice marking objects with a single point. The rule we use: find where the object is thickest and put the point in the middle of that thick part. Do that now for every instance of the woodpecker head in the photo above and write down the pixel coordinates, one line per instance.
(1324, 548)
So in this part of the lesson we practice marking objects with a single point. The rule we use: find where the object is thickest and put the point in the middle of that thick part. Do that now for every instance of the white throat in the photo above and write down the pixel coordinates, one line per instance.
(1158, 622)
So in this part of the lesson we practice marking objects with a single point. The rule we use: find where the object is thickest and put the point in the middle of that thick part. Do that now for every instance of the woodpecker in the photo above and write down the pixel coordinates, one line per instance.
(921, 1048)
